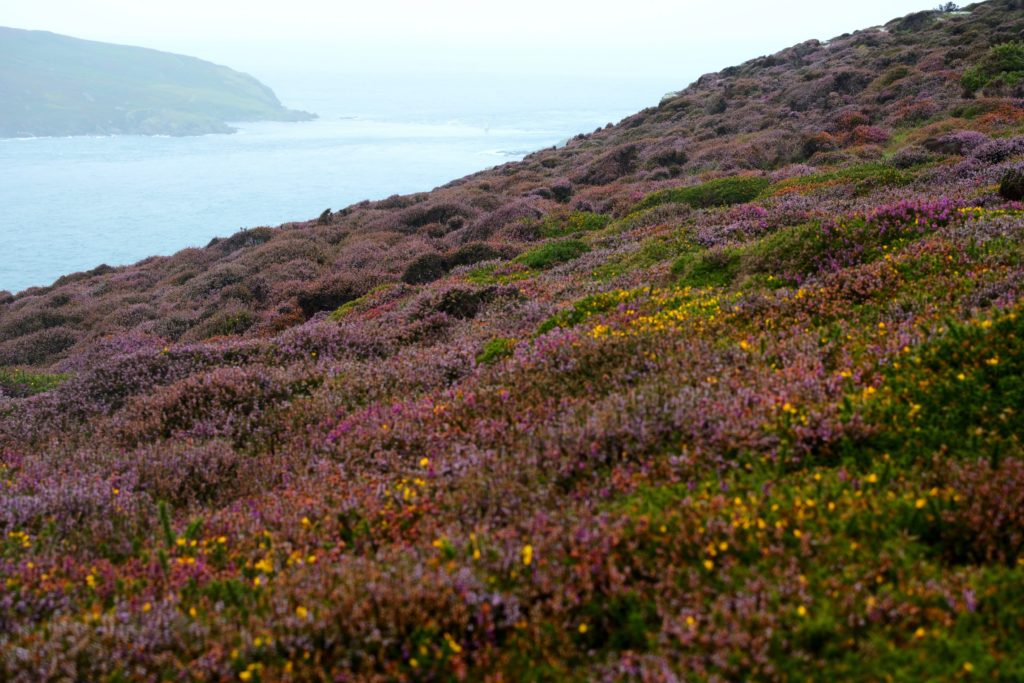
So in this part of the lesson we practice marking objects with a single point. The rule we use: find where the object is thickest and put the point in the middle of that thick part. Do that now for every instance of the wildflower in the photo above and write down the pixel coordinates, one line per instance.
(968, 667)
(583, 628)
(920, 503)
(801, 611)
(871, 478)
(920, 633)
(709, 565)
(993, 361)
(301, 612)
(527, 555)
(424, 462)
(452, 645)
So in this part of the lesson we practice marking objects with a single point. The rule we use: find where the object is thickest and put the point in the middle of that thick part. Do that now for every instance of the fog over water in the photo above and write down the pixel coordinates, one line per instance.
(70, 204)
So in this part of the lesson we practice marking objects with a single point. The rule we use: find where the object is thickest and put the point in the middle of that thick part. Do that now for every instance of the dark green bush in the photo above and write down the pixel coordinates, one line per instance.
(720, 192)
(712, 268)
(425, 268)
(474, 252)
(1012, 185)
(1002, 64)
(553, 253)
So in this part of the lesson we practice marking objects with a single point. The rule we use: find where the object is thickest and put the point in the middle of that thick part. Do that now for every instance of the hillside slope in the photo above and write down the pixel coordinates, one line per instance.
(54, 85)
(728, 391)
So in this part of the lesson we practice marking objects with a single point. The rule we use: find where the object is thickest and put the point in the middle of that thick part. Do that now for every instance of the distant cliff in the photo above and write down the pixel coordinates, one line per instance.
(57, 85)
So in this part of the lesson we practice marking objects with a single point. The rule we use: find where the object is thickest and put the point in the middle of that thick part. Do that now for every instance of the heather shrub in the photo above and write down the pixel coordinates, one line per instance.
(425, 268)
(236, 403)
(37, 348)
(215, 279)
(286, 248)
(985, 522)
(561, 190)
(1011, 186)
(202, 472)
(331, 291)
(229, 320)
(721, 192)
(956, 142)
(998, 151)
(553, 253)
(31, 319)
(911, 156)
(474, 252)
(456, 301)
(444, 213)
(610, 166)
(508, 215)
(243, 239)
(869, 135)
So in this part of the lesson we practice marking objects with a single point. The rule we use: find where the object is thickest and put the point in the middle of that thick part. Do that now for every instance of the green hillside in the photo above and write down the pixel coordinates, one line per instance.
(58, 85)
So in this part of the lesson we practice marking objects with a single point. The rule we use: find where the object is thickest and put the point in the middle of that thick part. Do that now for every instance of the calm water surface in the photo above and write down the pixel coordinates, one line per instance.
(69, 204)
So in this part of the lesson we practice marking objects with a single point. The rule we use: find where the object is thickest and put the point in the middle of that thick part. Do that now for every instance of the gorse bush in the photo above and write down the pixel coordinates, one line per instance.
(1011, 186)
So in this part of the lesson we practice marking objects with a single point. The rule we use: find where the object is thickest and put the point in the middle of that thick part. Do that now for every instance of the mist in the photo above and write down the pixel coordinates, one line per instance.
(666, 44)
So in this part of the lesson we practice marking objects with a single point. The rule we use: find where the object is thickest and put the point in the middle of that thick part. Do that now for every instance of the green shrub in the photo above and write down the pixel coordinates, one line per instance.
(721, 192)
(961, 393)
(553, 253)
(575, 222)
(864, 178)
(713, 268)
(652, 251)
(585, 308)
(495, 350)
(1002, 64)
(17, 382)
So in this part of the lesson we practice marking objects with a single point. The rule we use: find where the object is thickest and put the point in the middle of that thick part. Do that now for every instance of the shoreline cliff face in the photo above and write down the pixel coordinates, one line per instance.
(728, 391)
(55, 85)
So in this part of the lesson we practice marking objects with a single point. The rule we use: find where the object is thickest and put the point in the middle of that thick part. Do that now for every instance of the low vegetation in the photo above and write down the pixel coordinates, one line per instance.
(741, 400)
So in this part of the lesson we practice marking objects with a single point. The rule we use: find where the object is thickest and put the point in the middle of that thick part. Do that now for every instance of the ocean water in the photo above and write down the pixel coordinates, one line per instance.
(70, 204)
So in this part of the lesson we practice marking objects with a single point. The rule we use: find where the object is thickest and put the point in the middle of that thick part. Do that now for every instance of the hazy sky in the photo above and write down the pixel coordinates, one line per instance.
(630, 38)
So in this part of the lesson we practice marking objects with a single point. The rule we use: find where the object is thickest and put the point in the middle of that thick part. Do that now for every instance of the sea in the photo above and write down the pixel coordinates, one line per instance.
(70, 204)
